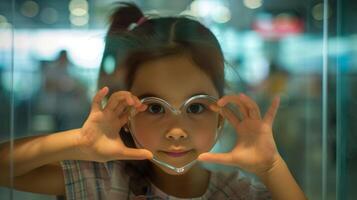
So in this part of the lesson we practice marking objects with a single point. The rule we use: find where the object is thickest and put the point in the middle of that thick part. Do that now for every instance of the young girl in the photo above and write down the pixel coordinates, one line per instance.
(153, 123)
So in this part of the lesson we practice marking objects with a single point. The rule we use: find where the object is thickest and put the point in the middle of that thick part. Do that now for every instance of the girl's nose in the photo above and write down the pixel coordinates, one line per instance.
(176, 134)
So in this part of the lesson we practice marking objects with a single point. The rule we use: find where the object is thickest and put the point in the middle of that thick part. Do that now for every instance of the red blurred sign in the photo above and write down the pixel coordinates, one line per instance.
(278, 27)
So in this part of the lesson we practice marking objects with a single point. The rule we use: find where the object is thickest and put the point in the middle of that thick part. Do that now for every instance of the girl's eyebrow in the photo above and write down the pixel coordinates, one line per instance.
(158, 96)
(148, 95)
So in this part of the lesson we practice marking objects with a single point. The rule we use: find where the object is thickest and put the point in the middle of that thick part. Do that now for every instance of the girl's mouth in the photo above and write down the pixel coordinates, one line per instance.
(177, 154)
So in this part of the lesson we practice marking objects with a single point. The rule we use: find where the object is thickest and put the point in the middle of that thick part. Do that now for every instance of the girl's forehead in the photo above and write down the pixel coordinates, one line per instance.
(174, 77)
(175, 64)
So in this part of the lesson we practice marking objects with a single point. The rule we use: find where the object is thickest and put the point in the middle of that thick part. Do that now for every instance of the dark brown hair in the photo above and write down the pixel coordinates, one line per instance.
(155, 38)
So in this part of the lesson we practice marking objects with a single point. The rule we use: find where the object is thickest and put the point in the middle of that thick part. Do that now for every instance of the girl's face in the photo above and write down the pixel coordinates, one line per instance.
(180, 139)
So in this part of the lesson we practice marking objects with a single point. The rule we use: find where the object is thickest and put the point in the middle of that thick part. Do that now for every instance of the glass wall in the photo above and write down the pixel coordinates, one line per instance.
(305, 51)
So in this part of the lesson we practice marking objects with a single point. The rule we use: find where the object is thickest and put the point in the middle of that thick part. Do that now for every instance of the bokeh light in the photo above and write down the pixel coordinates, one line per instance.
(253, 4)
(49, 15)
(29, 9)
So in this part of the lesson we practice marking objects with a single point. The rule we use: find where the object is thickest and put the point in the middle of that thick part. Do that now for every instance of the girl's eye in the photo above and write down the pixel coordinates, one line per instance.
(156, 108)
(196, 108)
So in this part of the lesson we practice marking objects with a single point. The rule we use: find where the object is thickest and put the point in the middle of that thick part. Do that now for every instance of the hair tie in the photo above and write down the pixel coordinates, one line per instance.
(136, 24)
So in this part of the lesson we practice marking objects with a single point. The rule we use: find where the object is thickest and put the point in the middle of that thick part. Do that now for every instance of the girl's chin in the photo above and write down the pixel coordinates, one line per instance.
(174, 159)
(170, 171)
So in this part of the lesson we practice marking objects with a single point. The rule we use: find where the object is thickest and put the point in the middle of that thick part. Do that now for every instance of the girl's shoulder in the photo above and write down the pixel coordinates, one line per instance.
(92, 180)
(91, 168)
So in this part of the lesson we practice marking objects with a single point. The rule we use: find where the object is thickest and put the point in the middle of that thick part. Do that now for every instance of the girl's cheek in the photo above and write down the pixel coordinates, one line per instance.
(205, 134)
(205, 140)
(202, 138)
(148, 139)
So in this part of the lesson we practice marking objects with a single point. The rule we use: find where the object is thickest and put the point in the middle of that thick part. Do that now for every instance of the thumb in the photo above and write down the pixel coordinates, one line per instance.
(135, 154)
(219, 158)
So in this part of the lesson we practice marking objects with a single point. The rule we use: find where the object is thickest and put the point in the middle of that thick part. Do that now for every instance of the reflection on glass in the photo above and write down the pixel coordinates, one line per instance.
(50, 55)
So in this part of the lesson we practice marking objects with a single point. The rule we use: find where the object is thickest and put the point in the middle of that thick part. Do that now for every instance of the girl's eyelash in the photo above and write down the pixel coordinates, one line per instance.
(204, 107)
(162, 109)
(156, 108)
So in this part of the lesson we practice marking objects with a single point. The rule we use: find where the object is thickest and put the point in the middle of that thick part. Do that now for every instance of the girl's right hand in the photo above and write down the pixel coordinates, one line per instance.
(99, 137)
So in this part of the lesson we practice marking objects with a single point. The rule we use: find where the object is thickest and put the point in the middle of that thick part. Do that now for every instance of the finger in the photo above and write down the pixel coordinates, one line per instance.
(236, 101)
(251, 106)
(97, 99)
(219, 158)
(122, 107)
(214, 108)
(230, 116)
(136, 101)
(142, 108)
(116, 98)
(139, 105)
(123, 119)
(135, 154)
(270, 115)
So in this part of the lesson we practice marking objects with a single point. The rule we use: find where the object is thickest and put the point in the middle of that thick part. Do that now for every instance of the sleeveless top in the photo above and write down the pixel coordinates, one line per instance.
(93, 180)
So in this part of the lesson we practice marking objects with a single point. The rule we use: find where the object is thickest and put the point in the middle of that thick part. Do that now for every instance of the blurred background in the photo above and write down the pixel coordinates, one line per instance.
(303, 50)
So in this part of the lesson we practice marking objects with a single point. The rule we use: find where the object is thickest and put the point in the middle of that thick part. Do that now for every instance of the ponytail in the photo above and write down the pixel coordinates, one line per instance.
(123, 16)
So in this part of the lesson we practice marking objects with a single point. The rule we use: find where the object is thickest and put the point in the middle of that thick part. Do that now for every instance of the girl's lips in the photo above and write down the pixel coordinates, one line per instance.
(176, 154)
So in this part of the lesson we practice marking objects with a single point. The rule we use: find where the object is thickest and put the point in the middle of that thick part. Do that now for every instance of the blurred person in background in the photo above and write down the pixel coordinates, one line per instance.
(62, 97)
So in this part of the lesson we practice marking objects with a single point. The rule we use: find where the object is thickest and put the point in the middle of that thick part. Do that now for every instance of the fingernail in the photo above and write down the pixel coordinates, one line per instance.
(104, 88)
(214, 108)
(142, 107)
(220, 102)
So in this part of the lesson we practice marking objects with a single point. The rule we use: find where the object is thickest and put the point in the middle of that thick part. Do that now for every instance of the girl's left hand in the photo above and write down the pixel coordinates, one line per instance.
(255, 150)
